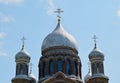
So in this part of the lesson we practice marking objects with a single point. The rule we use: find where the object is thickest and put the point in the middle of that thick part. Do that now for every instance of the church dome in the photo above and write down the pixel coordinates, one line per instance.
(32, 77)
(59, 37)
(96, 53)
(87, 77)
(22, 55)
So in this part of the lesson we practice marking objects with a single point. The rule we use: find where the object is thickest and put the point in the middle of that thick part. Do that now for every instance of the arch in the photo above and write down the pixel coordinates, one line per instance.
(51, 67)
(59, 65)
(75, 68)
(40, 70)
(21, 68)
(68, 67)
(17, 68)
(59, 78)
(43, 69)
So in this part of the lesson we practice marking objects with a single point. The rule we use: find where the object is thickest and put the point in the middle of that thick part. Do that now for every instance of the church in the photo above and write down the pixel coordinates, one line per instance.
(60, 62)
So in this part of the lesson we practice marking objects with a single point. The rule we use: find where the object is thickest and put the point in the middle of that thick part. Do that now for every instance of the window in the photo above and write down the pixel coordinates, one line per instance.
(21, 68)
(51, 67)
(17, 69)
(75, 68)
(59, 65)
(44, 69)
(40, 71)
(94, 68)
(68, 67)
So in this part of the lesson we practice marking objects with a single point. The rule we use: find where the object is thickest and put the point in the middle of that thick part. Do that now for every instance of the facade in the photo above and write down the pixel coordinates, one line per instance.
(60, 62)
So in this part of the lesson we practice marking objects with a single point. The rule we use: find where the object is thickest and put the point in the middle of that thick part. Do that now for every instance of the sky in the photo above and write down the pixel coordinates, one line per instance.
(35, 19)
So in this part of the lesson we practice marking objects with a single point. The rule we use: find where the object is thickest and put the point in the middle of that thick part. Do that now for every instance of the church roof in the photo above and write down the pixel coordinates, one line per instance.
(59, 37)
(96, 53)
(22, 54)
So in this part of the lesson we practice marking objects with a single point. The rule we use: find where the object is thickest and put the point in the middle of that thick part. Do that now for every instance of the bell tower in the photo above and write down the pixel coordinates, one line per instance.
(96, 58)
(22, 60)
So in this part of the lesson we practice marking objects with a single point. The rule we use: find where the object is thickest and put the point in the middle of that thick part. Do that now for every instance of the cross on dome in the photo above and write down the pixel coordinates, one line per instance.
(59, 11)
(95, 38)
(23, 39)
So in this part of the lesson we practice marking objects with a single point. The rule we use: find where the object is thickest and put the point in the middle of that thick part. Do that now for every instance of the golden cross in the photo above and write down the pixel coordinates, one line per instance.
(95, 38)
(23, 39)
(59, 11)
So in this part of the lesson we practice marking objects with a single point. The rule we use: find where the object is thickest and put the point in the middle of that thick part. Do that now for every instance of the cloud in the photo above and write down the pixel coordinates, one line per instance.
(1, 44)
(2, 35)
(3, 53)
(11, 1)
(118, 12)
(5, 18)
(51, 7)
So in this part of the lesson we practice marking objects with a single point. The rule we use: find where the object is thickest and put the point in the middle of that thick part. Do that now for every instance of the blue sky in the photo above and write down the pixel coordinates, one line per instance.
(35, 19)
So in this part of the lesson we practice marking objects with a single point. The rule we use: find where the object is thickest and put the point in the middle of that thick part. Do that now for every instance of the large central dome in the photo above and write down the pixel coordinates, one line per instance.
(59, 37)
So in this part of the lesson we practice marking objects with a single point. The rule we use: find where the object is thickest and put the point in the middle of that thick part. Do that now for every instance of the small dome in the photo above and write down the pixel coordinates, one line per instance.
(22, 55)
(95, 53)
(32, 77)
(59, 37)
(87, 77)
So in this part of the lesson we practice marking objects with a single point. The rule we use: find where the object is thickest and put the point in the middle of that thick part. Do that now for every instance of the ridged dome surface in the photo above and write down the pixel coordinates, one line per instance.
(96, 53)
(59, 37)
(22, 54)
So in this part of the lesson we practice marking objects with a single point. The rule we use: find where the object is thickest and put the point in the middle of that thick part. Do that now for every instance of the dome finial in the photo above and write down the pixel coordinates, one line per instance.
(59, 11)
(23, 39)
(95, 38)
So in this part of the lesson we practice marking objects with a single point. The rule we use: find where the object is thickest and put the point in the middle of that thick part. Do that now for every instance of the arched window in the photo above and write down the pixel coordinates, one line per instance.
(26, 69)
(59, 65)
(94, 68)
(43, 69)
(21, 68)
(17, 69)
(68, 67)
(51, 67)
(75, 68)
(40, 71)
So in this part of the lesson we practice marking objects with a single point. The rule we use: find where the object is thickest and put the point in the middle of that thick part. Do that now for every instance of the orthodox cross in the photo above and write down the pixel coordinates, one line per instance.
(59, 11)
(95, 38)
(23, 39)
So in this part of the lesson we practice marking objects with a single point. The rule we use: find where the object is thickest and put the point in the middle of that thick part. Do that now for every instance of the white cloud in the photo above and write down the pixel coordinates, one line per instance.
(1, 45)
(2, 35)
(118, 13)
(3, 53)
(11, 1)
(51, 7)
(5, 18)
